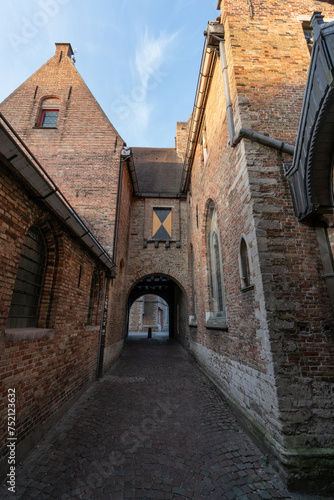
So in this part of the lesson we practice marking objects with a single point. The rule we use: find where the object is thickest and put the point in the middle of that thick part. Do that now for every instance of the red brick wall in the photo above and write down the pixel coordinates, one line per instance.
(181, 138)
(82, 155)
(270, 60)
(46, 372)
(145, 261)
(117, 311)
(275, 360)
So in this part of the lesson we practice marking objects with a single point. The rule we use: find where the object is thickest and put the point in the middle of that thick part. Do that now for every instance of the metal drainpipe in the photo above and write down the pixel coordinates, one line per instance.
(264, 140)
(103, 328)
(229, 110)
(118, 209)
(243, 132)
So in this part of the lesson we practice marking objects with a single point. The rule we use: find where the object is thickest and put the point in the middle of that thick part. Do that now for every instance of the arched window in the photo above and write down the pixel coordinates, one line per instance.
(29, 281)
(244, 264)
(48, 113)
(193, 286)
(217, 299)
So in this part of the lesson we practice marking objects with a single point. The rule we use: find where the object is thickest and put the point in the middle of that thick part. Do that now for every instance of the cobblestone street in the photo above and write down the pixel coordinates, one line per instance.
(153, 428)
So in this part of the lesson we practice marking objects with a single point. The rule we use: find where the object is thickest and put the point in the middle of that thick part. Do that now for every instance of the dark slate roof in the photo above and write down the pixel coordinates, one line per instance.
(158, 170)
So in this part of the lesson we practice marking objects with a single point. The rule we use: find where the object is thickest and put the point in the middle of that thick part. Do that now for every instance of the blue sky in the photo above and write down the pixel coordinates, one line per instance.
(140, 58)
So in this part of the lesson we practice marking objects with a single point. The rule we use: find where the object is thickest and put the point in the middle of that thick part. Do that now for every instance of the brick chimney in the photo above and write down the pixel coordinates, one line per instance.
(63, 50)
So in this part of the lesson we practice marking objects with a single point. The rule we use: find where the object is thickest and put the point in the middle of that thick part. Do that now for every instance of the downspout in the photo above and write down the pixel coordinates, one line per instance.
(118, 209)
(229, 110)
(265, 140)
(203, 85)
(243, 132)
(103, 327)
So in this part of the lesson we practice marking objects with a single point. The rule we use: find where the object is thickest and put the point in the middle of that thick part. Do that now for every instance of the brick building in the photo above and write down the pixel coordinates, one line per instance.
(232, 227)
(54, 288)
(149, 311)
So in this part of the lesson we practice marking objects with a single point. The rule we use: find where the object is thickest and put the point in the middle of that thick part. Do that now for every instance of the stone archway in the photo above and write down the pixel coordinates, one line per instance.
(172, 292)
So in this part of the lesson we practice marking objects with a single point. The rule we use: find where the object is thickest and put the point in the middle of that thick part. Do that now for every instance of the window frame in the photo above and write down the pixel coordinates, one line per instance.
(216, 317)
(245, 265)
(42, 115)
(24, 269)
(193, 316)
(170, 210)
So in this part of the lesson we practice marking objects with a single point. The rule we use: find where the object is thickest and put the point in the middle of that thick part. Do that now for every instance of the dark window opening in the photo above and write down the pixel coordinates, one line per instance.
(244, 264)
(28, 284)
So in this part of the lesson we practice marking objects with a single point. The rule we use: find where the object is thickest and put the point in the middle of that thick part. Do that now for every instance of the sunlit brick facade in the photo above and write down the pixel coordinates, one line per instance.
(245, 278)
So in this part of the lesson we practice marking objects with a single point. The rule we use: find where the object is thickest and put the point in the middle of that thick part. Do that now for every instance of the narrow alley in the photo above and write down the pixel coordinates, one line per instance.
(153, 428)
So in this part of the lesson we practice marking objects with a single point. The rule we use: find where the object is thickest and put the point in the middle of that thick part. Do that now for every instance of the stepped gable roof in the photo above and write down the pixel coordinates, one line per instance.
(158, 170)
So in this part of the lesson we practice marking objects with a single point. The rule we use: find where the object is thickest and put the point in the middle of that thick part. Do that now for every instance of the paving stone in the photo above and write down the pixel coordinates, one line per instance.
(153, 428)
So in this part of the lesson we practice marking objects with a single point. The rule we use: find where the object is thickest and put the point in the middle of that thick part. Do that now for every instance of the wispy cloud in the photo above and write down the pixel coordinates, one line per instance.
(148, 73)
(151, 55)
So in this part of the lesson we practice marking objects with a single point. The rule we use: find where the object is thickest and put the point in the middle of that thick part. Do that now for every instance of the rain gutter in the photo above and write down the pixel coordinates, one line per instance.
(202, 91)
(127, 156)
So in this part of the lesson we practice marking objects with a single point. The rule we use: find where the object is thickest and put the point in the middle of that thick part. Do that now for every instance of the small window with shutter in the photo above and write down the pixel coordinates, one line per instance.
(162, 223)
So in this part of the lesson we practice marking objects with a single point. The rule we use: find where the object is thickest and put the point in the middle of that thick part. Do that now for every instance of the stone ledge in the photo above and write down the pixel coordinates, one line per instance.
(45, 128)
(14, 334)
(216, 324)
(157, 241)
(92, 328)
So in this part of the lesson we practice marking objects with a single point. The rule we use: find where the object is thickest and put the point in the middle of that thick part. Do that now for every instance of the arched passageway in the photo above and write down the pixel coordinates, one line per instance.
(149, 313)
(168, 289)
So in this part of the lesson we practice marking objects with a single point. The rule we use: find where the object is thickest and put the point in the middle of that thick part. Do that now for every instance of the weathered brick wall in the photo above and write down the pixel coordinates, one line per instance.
(82, 154)
(269, 59)
(117, 310)
(275, 361)
(46, 371)
(146, 261)
(136, 316)
(224, 180)
(181, 138)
